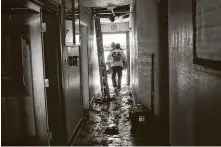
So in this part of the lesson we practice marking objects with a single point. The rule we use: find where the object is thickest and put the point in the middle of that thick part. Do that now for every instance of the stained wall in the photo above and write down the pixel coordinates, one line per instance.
(144, 43)
(195, 95)
(94, 76)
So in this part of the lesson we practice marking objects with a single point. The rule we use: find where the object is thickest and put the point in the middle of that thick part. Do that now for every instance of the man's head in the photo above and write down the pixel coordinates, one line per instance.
(118, 46)
(113, 45)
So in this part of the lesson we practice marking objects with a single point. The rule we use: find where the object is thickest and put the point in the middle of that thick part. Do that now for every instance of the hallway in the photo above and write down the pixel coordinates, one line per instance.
(55, 74)
(108, 123)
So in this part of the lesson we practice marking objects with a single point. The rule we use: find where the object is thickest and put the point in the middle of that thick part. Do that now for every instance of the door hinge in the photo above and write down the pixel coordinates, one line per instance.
(50, 135)
(152, 92)
(46, 82)
(158, 1)
(43, 27)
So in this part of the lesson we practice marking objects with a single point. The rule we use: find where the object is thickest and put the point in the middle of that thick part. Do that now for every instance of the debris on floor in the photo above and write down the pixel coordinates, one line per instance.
(112, 129)
(108, 123)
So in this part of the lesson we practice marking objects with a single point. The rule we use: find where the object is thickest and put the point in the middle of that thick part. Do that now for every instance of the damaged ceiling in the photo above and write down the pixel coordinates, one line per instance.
(111, 9)
(69, 10)
(105, 3)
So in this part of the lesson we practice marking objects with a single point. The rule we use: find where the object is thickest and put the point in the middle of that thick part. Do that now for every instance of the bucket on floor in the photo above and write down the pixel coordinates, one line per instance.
(140, 119)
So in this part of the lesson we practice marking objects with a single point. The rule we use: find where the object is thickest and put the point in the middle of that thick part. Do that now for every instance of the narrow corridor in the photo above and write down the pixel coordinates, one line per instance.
(60, 59)
(108, 123)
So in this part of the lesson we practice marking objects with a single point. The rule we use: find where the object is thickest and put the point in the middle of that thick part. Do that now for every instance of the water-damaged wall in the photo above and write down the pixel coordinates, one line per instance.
(195, 95)
(94, 76)
(144, 42)
(133, 52)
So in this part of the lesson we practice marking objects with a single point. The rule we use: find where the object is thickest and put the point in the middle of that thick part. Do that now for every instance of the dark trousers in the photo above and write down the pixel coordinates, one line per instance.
(117, 71)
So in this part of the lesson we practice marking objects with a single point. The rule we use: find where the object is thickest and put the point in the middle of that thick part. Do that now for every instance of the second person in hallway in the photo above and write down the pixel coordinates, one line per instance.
(117, 61)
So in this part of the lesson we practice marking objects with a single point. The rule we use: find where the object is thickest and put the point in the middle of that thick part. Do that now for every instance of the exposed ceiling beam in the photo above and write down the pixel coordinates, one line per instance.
(71, 14)
(119, 11)
(108, 15)
(125, 8)
(115, 10)
(70, 17)
(116, 13)
(89, 10)
(105, 13)
(112, 11)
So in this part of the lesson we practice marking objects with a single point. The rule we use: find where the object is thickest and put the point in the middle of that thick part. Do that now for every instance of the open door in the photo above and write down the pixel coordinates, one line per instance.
(28, 84)
(38, 81)
(53, 77)
(24, 115)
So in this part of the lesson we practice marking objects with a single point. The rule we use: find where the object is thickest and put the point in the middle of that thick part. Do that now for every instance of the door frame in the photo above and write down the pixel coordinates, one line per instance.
(128, 56)
(127, 33)
(56, 125)
(164, 71)
(17, 28)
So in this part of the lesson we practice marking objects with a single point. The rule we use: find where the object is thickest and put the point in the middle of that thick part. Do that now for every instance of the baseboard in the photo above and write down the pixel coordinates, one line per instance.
(80, 124)
(28, 141)
(76, 132)
(132, 95)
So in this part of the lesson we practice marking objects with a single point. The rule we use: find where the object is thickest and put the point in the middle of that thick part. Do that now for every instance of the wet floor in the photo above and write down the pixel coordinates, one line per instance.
(108, 123)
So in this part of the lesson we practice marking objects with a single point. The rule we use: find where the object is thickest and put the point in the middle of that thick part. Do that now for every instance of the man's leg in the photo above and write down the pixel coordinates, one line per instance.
(114, 77)
(119, 77)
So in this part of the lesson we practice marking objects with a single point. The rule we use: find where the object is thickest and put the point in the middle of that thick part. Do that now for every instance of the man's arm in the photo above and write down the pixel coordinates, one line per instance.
(124, 57)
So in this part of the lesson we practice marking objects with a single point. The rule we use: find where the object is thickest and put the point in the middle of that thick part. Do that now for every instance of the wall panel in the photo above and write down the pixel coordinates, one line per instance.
(194, 94)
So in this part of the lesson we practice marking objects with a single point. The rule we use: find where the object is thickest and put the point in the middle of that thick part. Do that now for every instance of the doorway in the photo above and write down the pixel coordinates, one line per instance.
(53, 77)
(121, 38)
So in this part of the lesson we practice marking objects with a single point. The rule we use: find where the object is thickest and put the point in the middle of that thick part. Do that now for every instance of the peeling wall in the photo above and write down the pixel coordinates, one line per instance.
(195, 96)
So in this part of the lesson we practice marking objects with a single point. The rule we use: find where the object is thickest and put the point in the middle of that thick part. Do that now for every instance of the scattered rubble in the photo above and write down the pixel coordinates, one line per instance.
(112, 129)
(108, 122)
